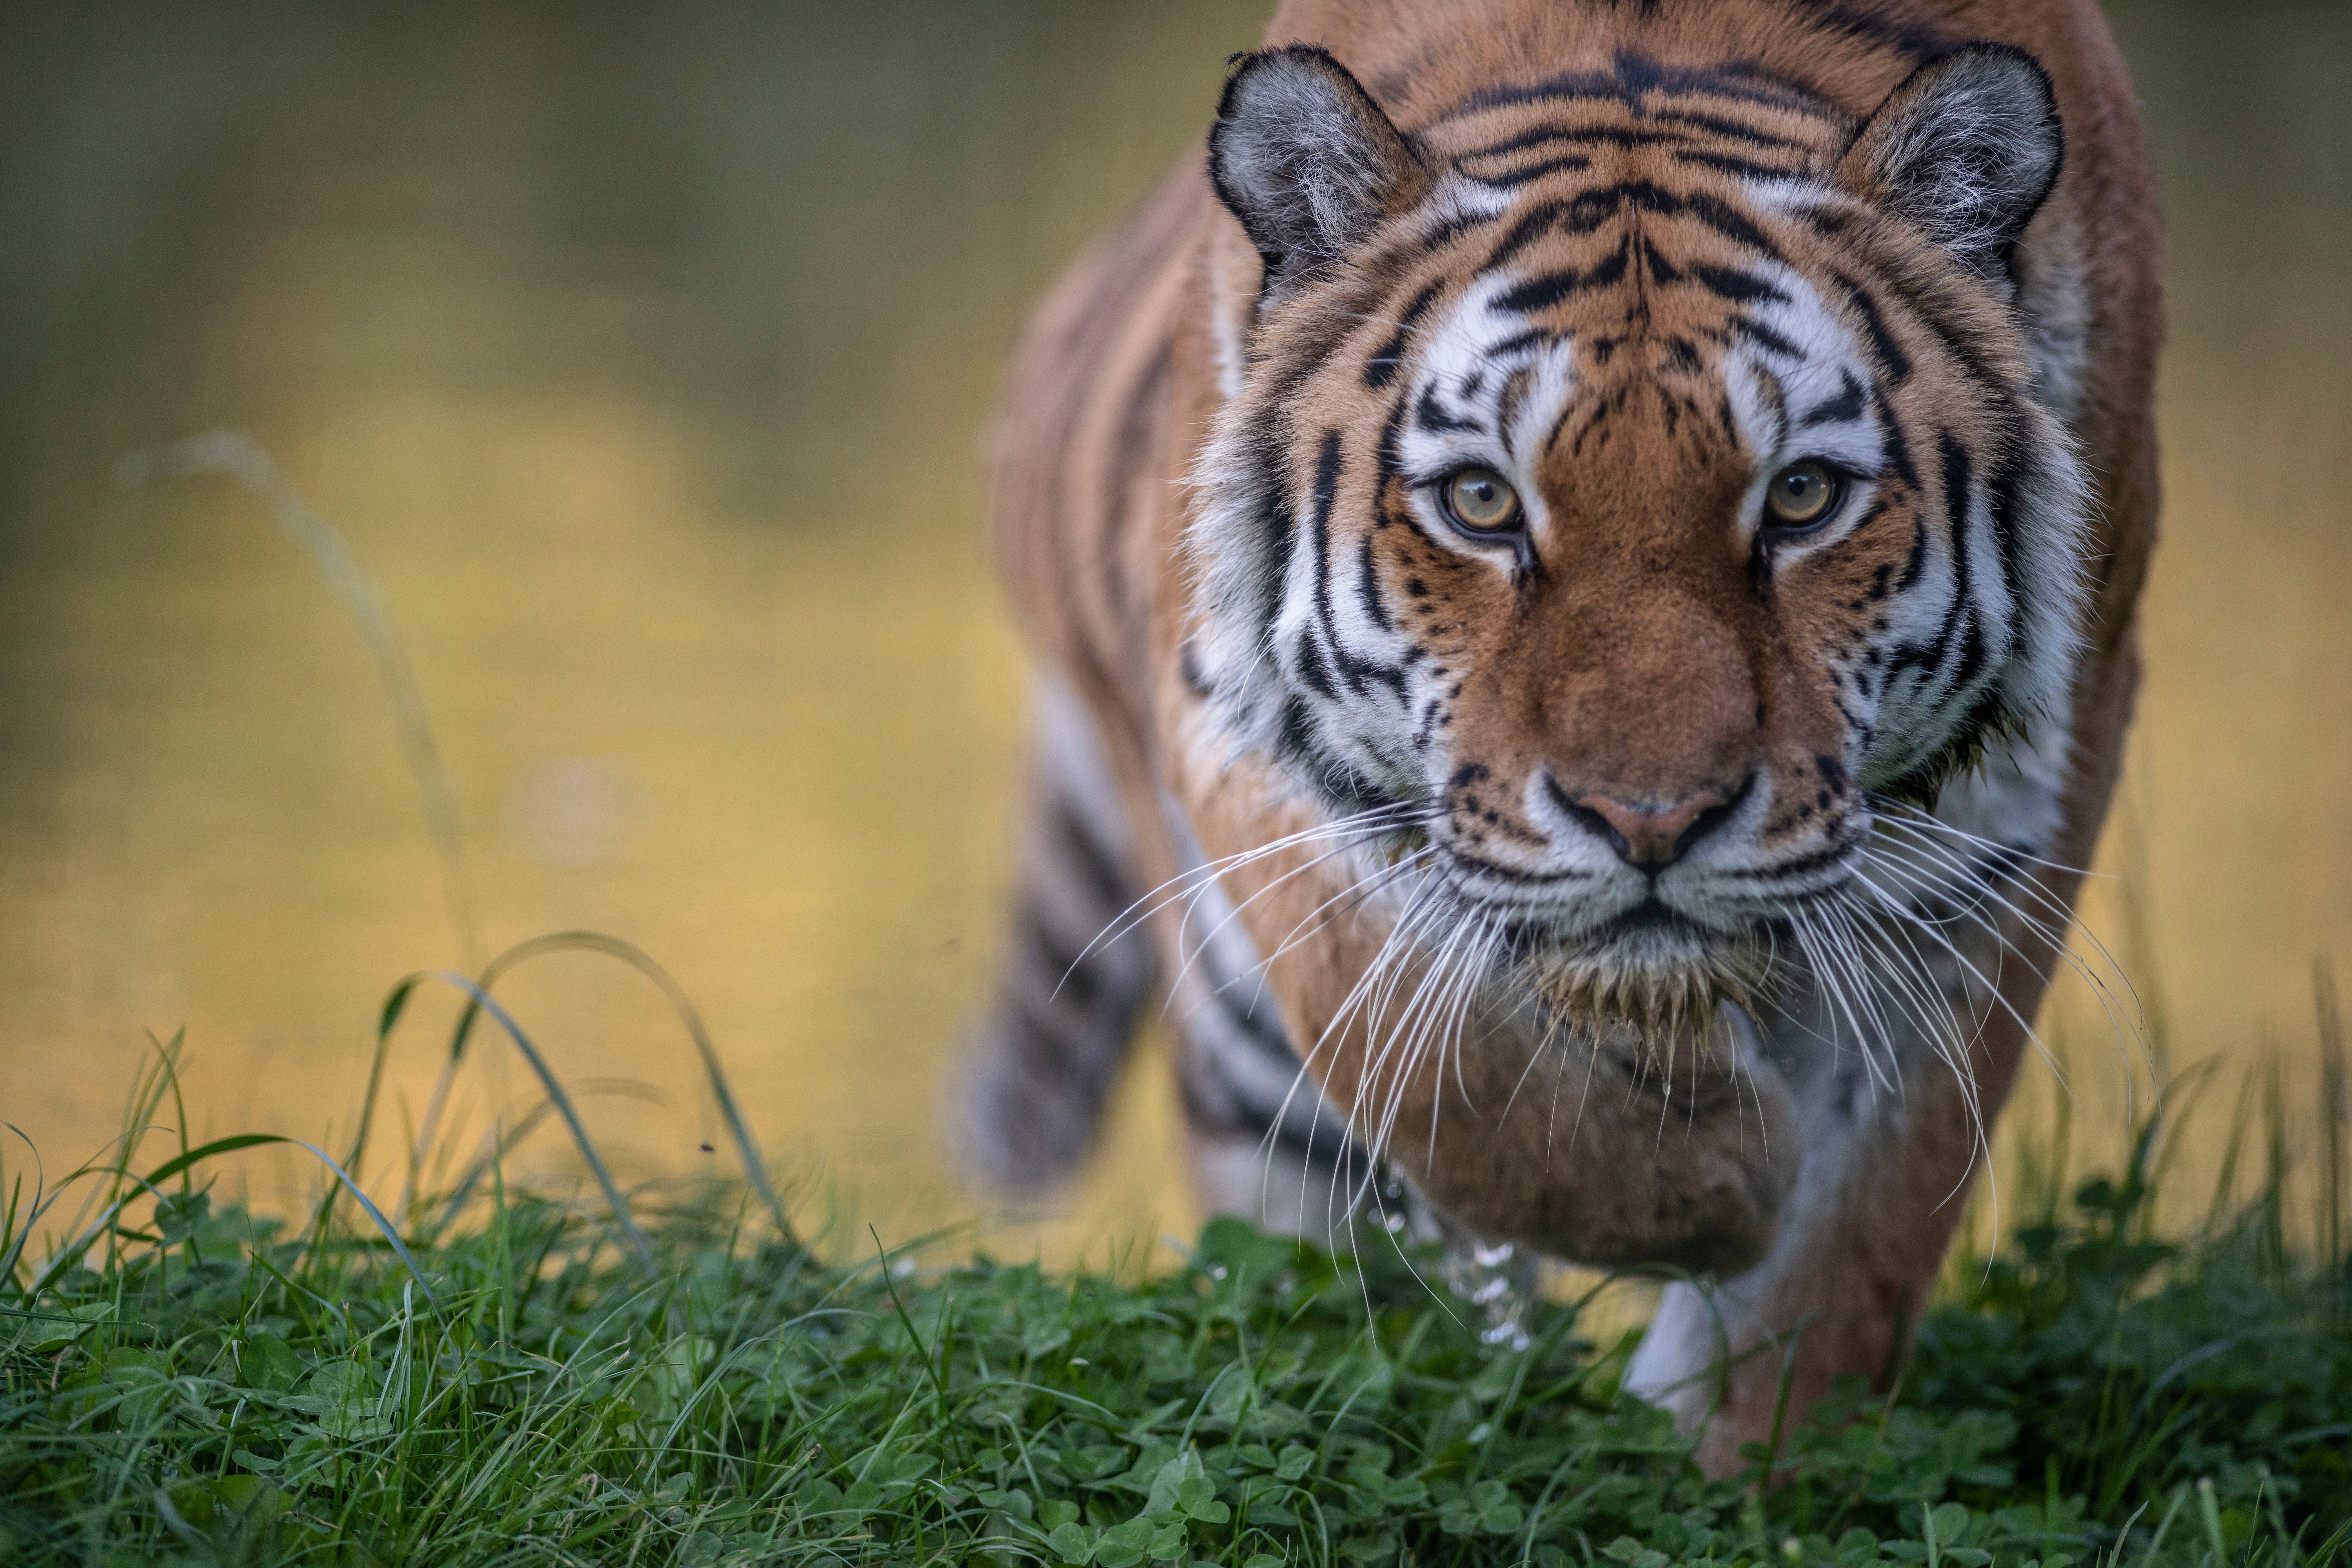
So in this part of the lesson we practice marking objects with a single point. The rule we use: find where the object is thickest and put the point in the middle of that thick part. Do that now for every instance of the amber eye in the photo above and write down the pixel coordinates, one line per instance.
(1801, 495)
(1482, 500)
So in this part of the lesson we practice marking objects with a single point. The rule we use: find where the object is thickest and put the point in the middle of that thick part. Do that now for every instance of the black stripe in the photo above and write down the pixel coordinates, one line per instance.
(1960, 620)
(1865, 25)
(1105, 879)
(1765, 338)
(1746, 168)
(1409, 251)
(1533, 226)
(1847, 404)
(1893, 446)
(1502, 873)
(1924, 302)
(1778, 399)
(1353, 670)
(1506, 408)
(1819, 860)
(1973, 653)
(1579, 135)
(1281, 528)
(1731, 223)
(1548, 290)
(1590, 209)
(1540, 136)
(1327, 495)
(1740, 287)
(1073, 979)
(1915, 564)
(1728, 129)
(1441, 234)
(1828, 222)
(1368, 586)
(1551, 436)
(1636, 75)
(1294, 736)
(1390, 461)
(1328, 330)
(1527, 174)
(1188, 664)
(1956, 499)
(1421, 304)
(1429, 415)
(1267, 1034)
(1891, 357)
(1423, 731)
(1312, 670)
(2007, 499)
(1266, 479)
(1131, 451)
(1381, 368)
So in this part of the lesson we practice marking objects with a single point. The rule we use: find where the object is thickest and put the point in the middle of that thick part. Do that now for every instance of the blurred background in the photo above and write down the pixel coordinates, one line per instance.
(643, 356)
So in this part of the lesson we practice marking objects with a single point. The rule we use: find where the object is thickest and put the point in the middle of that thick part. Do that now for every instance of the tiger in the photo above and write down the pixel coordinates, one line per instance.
(1580, 562)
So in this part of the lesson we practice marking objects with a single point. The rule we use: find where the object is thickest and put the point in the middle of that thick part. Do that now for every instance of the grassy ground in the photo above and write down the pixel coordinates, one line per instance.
(519, 1380)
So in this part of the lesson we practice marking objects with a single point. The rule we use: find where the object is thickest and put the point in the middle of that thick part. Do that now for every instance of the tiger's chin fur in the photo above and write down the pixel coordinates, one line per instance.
(1663, 999)
(1652, 976)
(1650, 979)
(1660, 860)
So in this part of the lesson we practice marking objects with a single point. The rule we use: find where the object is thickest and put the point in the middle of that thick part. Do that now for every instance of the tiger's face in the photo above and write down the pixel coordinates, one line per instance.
(1623, 479)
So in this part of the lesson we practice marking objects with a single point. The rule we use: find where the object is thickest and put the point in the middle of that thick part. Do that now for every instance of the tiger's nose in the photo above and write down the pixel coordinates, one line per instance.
(1651, 839)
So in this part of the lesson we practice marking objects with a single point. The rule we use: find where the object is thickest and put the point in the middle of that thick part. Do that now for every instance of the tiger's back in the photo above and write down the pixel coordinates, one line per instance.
(1185, 669)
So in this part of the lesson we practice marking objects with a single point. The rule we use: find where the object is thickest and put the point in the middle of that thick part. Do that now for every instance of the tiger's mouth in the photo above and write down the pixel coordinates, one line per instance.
(1650, 967)
(1650, 934)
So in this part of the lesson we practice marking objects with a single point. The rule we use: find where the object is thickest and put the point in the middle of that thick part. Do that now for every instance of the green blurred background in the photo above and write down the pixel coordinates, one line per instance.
(644, 355)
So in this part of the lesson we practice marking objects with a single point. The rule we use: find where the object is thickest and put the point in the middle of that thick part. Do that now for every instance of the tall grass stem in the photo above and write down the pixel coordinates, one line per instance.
(236, 455)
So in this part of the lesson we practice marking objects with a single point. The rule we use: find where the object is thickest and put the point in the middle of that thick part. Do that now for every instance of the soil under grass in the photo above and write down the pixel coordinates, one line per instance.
(206, 1386)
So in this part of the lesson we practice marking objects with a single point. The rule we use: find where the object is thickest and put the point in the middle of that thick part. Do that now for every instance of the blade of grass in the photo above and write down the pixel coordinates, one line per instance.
(638, 1242)
(236, 455)
(746, 1149)
(152, 1184)
(2333, 1111)
(15, 1233)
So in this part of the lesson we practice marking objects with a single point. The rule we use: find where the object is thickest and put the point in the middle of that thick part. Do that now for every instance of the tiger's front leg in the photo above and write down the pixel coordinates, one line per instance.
(1890, 1143)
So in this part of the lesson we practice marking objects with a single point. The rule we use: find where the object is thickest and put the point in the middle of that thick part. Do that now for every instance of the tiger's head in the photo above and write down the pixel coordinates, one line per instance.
(1625, 480)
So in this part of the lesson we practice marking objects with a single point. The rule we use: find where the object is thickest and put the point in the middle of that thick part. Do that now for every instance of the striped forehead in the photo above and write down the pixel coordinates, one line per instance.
(1494, 372)
(1488, 385)
(1797, 376)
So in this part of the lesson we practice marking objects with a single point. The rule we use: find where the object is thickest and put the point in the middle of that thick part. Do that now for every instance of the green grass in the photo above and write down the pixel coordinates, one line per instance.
(517, 1379)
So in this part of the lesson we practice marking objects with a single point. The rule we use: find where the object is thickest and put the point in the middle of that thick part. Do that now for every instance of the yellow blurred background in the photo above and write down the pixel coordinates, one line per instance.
(643, 355)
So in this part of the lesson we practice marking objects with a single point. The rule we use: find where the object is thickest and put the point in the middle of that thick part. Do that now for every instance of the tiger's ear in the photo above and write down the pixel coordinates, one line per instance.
(1305, 158)
(1967, 149)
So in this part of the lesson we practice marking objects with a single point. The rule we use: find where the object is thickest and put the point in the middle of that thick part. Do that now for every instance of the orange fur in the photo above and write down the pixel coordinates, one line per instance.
(1660, 672)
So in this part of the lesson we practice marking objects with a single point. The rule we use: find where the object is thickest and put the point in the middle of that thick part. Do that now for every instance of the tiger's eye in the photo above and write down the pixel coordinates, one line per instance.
(1801, 495)
(1482, 500)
